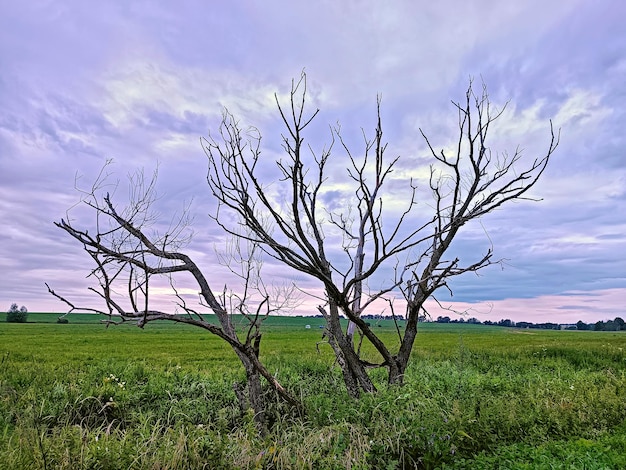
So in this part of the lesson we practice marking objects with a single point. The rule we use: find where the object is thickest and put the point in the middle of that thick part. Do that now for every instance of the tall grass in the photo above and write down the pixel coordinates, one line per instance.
(81, 396)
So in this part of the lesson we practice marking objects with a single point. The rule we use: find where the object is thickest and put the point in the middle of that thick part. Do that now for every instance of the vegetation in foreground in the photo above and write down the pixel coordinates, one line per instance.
(80, 396)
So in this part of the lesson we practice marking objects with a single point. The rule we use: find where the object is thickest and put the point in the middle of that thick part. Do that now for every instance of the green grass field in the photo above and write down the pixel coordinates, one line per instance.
(82, 396)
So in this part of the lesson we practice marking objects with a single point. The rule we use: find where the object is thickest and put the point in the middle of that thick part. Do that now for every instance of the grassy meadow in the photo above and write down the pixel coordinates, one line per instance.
(83, 396)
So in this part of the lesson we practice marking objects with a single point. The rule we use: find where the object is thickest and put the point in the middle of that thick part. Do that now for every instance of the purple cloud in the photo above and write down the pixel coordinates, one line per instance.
(141, 82)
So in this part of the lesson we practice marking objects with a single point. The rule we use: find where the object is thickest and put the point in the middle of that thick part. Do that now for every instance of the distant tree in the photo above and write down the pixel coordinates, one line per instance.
(473, 321)
(441, 319)
(580, 325)
(17, 315)
(507, 323)
(619, 322)
(599, 326)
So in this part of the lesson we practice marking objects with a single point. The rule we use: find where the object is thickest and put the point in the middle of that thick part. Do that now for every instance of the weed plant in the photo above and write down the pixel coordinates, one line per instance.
(80, 396)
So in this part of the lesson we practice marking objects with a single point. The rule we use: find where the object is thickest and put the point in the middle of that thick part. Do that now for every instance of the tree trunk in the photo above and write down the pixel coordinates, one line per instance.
(396, 373)
(354, 374)
(350, 381)
(250, 396)
(255, 395)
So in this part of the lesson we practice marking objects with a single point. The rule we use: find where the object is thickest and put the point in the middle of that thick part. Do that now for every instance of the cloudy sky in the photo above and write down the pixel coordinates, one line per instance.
(139, 82)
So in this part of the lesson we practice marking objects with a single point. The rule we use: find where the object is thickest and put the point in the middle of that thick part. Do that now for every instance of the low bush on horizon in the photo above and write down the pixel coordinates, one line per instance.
(17, 315)
(80, 396)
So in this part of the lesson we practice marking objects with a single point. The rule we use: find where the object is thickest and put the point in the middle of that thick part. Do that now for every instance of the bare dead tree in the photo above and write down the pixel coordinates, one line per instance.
(471, 183)
(131, 259)
(465, 187)
(289, 216)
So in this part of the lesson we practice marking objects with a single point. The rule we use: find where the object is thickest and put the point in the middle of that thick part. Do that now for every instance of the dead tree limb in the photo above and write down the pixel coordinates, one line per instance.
(128, 256)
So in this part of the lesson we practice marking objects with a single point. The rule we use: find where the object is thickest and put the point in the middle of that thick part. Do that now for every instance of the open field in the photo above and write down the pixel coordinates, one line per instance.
(81, 395)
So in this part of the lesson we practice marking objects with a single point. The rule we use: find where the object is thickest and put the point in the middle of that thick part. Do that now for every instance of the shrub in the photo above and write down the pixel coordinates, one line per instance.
(62, 320)
(15, 315)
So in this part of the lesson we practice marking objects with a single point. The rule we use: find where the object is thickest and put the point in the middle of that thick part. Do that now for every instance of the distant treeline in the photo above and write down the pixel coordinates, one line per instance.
(610, 325)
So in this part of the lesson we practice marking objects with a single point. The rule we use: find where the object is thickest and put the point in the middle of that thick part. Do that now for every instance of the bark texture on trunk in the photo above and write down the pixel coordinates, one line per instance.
(355, 375)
